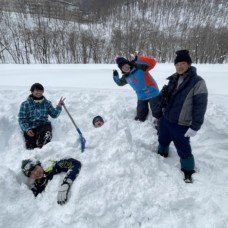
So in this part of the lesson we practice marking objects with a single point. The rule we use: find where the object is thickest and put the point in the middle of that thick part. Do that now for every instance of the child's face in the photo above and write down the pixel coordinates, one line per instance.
(126, 68)
(37, 93)
(98, 124)
(37, 173)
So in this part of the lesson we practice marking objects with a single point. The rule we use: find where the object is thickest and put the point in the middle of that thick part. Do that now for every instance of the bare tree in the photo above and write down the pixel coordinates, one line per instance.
(94, 31)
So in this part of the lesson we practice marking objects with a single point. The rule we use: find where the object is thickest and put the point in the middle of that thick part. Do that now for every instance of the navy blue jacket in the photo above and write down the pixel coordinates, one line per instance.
(186, 104)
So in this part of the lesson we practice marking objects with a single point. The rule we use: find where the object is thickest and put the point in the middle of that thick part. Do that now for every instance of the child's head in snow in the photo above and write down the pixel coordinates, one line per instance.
(32, 168)
(98, 121)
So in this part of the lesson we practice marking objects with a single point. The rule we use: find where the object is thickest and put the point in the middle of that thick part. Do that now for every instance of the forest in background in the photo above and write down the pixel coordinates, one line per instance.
(95, 31)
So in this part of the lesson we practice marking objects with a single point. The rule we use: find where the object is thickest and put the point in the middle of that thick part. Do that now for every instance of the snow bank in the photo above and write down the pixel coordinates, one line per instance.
(123, 182)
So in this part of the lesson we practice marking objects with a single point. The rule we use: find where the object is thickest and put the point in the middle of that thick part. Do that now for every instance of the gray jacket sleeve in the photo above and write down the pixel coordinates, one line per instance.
(199, 104)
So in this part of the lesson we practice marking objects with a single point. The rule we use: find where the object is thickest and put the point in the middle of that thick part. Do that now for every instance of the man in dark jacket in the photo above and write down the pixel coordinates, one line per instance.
(184, 103)
(39, 177)
(33, 117)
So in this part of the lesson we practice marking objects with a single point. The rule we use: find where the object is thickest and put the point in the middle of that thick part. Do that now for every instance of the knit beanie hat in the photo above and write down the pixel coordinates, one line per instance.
(121, 61)
(28, 165)
(37, 86)
(182, 56)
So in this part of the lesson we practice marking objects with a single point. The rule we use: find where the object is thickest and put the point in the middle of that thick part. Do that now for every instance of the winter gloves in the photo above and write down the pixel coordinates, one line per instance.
(115, 73)
(63, 191)
(190, 133)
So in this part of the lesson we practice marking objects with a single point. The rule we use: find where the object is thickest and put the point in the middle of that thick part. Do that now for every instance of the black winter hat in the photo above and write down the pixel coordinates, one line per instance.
(182, 56)
(121, 61)
(97, 118)
(28, 165)
(37, 86)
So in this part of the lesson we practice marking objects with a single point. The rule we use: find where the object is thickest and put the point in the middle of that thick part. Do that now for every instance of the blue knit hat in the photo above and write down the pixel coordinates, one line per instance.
(121, 61)
(182, 56)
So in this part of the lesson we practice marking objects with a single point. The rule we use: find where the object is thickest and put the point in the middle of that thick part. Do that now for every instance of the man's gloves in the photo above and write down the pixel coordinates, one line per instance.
(61, 102)
(190, 133)
(115, 73)
(63, 191)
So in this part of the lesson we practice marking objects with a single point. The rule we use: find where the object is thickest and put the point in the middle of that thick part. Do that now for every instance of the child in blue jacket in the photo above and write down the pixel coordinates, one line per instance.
(136, 74)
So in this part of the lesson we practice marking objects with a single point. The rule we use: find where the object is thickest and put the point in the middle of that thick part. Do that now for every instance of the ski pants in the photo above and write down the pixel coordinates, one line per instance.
(169, 132)
(43, 135)
(143, 109)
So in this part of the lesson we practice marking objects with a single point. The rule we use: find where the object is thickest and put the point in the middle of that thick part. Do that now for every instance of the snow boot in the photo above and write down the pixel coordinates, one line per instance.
(163, 151)
(188, 175)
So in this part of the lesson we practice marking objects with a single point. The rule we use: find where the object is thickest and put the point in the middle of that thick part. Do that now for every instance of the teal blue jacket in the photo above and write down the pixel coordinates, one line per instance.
(33, 115)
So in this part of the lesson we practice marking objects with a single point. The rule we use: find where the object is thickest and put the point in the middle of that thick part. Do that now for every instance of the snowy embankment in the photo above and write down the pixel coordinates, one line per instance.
(123, 183)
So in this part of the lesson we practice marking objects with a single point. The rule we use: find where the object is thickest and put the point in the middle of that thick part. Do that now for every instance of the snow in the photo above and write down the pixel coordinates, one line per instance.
(123, 182)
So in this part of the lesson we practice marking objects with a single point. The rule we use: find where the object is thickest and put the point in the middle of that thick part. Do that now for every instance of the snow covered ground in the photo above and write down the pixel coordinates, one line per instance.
(123, 183)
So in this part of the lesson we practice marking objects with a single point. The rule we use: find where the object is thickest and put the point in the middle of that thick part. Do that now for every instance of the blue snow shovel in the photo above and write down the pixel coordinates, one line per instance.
(82, 139)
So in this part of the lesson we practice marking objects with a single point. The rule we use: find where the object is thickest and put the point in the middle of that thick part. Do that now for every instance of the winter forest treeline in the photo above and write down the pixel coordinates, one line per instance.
(95, 31)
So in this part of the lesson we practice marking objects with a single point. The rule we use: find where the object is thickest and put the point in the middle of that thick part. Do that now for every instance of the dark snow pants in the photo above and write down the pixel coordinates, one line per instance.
(43, 135)
(143, 109)
(169, 132)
